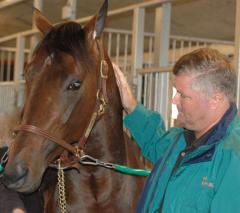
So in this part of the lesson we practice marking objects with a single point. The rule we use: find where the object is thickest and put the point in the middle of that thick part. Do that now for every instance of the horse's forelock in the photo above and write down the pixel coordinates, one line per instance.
(67, 37)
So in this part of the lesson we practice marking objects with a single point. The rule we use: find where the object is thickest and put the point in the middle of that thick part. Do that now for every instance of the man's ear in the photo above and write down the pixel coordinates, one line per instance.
(216, 99)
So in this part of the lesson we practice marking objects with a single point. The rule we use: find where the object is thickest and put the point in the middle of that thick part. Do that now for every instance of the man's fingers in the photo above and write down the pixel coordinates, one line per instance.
(120, 78)
(128, 100)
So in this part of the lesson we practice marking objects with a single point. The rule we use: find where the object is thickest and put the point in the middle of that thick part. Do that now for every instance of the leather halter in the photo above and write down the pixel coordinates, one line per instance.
(101, 102)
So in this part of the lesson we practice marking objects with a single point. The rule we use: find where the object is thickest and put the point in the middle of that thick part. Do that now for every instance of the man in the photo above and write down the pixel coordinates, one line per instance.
(197, 167)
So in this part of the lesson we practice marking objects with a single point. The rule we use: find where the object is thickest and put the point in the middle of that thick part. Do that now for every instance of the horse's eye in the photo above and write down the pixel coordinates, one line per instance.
(75, 85)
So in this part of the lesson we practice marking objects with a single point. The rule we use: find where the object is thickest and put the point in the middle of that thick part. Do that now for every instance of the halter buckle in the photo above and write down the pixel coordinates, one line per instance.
(103, 63)
(79, 152)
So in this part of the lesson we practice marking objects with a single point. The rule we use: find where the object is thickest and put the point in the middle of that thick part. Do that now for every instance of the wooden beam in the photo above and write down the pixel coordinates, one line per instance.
(150, 3)
(7, 3)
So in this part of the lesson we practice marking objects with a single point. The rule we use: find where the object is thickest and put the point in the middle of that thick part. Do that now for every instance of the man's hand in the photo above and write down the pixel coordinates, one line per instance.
(128, 100)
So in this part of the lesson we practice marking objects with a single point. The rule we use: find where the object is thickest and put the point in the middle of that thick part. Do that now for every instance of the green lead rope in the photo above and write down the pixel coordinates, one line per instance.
(3, 160)
(131, 171)
(1, 168)
(89, 160)
(119, 168)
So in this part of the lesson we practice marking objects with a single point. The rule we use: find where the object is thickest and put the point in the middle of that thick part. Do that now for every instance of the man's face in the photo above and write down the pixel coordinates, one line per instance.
(192, 106)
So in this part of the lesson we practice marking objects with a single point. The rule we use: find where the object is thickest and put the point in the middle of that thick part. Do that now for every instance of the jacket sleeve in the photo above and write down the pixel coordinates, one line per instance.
(227, 197)
(147, 128)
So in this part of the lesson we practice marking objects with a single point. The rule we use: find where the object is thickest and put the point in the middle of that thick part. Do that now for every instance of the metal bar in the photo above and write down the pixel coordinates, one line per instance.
(159, 95)
(150, 90)
(173, 52)
(145, 90)
(2, 66)
(155, 89)
(125, 60)
(18, 68)
(9, 60)
(150, 54)
(109, 43)
(181, 47)
(189, 46)
(117, 47)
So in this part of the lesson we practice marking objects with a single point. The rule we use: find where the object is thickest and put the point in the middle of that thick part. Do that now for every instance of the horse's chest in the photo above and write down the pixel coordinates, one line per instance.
(87, 194)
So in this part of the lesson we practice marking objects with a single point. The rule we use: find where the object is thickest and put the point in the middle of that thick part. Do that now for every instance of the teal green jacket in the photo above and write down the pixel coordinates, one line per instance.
(207, 179)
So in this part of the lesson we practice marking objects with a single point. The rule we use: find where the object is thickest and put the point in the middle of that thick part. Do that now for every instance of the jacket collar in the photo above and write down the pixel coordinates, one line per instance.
(205, 145)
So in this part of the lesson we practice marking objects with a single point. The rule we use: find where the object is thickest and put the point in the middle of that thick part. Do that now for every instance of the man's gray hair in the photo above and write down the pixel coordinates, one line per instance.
(212, 70)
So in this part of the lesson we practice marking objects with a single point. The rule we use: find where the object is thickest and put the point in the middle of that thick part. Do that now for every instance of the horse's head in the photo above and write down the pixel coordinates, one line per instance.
(62, 80)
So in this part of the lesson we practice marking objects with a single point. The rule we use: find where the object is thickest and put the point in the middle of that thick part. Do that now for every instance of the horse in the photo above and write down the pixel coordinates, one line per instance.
(73, 109)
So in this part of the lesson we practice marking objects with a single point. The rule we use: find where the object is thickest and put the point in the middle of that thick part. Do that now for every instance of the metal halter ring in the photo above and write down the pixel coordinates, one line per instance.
(101, 69)
(78, 152)
(101, 98)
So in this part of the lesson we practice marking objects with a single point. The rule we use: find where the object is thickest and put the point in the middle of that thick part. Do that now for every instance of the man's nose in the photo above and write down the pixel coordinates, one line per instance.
(175, 99)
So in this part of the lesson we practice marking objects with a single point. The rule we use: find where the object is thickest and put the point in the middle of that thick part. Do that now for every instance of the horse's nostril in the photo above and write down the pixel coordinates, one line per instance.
(21, 170)
(15, 179)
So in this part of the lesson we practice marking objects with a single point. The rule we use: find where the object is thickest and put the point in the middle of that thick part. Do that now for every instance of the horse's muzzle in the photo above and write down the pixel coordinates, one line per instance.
(16, 179)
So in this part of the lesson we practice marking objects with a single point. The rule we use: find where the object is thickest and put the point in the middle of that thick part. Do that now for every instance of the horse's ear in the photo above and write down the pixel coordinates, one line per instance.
(99, 26)
(95, 26)
(42, 23)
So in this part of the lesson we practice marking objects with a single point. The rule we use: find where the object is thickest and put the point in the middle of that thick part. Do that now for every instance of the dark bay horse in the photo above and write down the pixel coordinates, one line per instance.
(73, 107)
